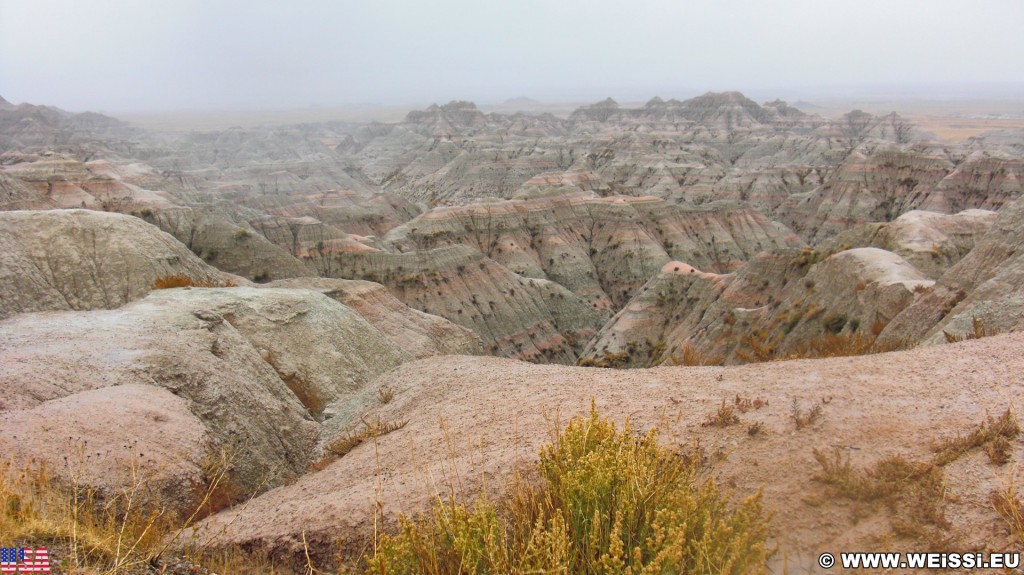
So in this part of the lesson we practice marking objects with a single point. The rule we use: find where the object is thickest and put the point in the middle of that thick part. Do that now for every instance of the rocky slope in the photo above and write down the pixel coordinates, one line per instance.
(985, 284)
(536, 278)
(602, 200)
(418, 334)
(878, 185)
(242, 369)
(26, 126)
(932, 242)
(83, 259)
(513, 315)
(495, 413)
(858, 282)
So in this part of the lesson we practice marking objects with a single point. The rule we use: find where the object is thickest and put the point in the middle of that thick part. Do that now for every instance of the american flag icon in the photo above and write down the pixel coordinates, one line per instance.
(24, 560)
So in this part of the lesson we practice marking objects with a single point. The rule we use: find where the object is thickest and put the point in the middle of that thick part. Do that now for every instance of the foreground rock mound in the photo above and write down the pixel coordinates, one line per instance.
(193, 371)
(82, 259)
(496, 413)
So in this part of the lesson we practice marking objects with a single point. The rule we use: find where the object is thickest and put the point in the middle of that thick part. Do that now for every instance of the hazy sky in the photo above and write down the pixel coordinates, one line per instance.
(133, 55)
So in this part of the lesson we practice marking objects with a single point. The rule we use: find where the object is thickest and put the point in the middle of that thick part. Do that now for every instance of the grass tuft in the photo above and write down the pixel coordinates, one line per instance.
(993, 434)
(805, 417)
(1009, 506)
(385, 394)
(913, 491)
(690, 356)
(346, 442)
(724, 417)
(127, 531)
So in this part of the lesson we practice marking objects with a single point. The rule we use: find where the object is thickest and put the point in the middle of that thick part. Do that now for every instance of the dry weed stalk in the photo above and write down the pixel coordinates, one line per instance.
(107, 533)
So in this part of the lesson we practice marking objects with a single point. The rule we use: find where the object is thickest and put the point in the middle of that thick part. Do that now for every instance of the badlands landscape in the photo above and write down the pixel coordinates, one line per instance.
(285, 337)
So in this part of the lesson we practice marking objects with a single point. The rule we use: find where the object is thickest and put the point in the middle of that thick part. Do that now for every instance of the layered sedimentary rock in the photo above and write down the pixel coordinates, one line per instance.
(197, 370)
(61, 181)
(879, 185)
(602, 249)
(536, 278)
(83, 259)
(513, 315)
(932, 242)
(234, 247)
(985, 284)
(418, 334)
(771, 307)
(26, 126)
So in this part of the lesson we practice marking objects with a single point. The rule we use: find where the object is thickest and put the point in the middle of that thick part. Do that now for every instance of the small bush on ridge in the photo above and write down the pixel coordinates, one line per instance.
(607, 501)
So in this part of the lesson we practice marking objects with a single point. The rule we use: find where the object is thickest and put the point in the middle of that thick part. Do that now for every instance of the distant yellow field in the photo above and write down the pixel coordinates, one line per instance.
(957, 129)
(951, 121)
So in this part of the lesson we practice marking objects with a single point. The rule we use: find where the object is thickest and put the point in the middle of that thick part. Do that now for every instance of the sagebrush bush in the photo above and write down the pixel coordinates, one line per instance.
(604, 501)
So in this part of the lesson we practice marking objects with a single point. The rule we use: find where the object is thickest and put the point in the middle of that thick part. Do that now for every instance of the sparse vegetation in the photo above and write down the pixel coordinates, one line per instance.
(912, 490)
(724, 417)
(689, 355)
(611, 360)
(604, 501)
(840, 345)
(978, 331)
(185, 280)
(990, 434)
(385, 394)
(951, 303)
(745, 404)
(1009, 506)
(805, 417)
(346, 442)
(834, 323)
(124, 532)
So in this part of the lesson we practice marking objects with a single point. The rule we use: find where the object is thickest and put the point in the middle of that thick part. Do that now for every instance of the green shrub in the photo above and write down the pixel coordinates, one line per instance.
(605, 501)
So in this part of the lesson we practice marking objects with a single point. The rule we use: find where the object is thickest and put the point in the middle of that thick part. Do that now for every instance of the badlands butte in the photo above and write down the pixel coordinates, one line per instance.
(467, 274)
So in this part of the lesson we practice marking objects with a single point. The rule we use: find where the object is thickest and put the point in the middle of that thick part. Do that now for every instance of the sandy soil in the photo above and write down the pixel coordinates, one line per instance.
(473, 421)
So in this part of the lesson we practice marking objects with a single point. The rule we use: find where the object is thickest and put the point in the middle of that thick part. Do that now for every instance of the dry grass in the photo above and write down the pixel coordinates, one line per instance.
(609, 360)
(603, 501)
(840, 345)
(689, 355)
(724, 417)
(759, 346)
(184, 280)
(1009, 506)
(993, 434)
(978, 331)
(346, 442)
(912, 491)
(126, 532)
(805, 417)
(745, 404)
(385, 394)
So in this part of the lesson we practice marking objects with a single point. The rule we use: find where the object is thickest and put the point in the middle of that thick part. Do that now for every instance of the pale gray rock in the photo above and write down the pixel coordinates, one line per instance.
(418, 334)
(82, 259)
(255, 366)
